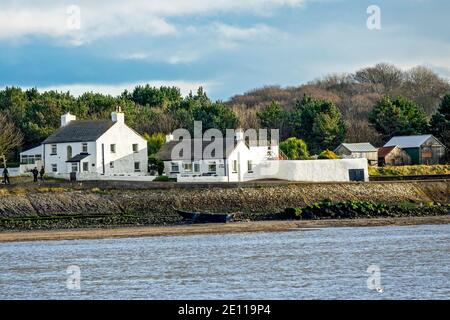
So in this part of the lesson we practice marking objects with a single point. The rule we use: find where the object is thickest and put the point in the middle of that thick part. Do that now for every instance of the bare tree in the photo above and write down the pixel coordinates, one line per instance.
(10, 137)
(384, 74)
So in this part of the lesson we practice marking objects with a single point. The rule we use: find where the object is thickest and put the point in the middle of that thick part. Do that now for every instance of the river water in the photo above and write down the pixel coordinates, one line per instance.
(329, 263)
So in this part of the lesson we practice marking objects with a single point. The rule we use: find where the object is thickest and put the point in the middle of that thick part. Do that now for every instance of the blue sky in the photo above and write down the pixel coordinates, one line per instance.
(227, 46)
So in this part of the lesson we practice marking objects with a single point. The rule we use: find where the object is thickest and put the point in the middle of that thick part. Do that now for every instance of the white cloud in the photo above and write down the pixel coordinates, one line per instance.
(78, 89)
(115, 17)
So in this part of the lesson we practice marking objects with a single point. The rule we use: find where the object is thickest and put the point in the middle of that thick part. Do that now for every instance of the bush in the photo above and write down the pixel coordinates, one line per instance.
(295, 149)
(328, 154)
(162, 179)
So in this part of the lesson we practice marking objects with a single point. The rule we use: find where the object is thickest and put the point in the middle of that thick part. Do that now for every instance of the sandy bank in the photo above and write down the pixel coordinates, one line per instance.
(237, 227)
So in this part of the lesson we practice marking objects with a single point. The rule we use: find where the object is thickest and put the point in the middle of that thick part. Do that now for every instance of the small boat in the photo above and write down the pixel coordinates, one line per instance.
(206, 217)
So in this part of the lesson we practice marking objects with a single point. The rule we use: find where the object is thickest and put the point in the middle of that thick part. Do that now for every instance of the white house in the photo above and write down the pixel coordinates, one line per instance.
(241, 160)
(235, 159)
(90, 149)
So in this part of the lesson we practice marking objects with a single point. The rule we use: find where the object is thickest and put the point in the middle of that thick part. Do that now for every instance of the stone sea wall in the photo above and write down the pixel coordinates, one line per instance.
(247, 199)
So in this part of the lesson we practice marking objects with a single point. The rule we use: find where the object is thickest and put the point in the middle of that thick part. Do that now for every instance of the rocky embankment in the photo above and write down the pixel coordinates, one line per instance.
(67, 208)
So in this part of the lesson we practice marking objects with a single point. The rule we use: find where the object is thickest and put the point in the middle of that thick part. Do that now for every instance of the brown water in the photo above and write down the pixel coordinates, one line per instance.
(329, 263)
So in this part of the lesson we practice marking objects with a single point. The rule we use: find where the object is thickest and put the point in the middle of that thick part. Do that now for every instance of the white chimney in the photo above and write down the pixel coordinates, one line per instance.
(239, 135)
(169, 137)
(66, 118)
(118, 115)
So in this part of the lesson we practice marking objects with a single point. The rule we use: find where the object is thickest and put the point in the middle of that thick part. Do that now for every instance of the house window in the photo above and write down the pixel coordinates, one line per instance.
(187, 167)
(174, 167)
(85, 166)
(113, 148)
(84, 148)
(137, 167)
(111, 164)
(212, 167)
(135, 148)
(234, 166)
(54, 167)
(37, 157)
(74, 167)
(54, 150)
(196, 167)
(250, 166)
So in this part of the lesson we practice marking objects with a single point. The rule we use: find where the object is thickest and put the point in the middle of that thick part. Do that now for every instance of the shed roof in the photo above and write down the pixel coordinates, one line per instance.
(359, 147)
(80, 131)
(408, 141)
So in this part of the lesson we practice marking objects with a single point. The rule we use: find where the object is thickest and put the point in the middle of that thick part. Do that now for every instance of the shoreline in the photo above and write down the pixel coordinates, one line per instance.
(198, 229)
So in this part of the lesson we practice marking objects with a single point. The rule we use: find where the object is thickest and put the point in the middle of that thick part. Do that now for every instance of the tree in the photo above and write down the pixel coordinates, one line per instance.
(425, 87)
(271, 117)
(440, 122)
(398, 117)
(384, 74)
(318, 122)
(154, 97)
(154, 142)
(10, 137)
(215, 115)
(295, 149)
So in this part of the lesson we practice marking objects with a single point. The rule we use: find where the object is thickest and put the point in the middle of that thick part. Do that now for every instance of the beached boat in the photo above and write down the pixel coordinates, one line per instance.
(206, 217)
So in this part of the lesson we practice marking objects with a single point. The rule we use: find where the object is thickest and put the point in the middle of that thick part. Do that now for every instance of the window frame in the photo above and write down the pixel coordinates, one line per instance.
(83, 149)
(112, 148)
(174, 165)
(53, 149)
(139, 166)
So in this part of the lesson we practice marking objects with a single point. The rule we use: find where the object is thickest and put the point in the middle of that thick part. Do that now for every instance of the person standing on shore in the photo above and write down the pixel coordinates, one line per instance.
(41, 174)
(6, 176)
(35, 173)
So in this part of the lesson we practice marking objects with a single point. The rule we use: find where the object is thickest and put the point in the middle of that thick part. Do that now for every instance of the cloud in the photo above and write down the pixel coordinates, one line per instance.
(98, 19)
(78, 89)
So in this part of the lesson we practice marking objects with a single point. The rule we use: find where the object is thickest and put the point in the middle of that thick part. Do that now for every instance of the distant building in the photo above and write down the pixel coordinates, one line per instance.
(88, 149)
(243, 161)
(393, 156)
(236, 159)
(358, 150)
(423, 149)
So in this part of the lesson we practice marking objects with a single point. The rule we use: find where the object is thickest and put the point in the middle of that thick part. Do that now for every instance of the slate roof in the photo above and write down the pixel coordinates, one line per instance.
(165, 153)
(408, 141)
(78, 157)
(359, 147)
(80, 131)
(384, 151)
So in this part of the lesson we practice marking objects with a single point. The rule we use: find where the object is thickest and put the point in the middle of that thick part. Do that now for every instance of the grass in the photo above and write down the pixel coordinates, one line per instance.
(409, 170)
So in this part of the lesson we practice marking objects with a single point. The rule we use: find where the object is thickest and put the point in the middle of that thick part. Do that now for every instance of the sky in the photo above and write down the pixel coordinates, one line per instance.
(226, 46)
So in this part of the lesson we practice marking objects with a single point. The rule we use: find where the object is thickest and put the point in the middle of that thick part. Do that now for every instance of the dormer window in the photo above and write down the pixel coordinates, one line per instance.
(84, 148)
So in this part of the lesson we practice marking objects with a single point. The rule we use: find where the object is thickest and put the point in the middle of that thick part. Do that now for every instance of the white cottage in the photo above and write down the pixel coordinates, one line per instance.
(238, 158)
(89, 149)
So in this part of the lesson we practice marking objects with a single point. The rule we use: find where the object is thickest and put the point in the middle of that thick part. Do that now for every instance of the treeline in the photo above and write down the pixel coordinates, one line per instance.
(370, 105)
(354, 94)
